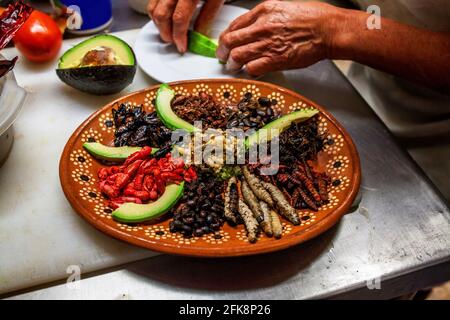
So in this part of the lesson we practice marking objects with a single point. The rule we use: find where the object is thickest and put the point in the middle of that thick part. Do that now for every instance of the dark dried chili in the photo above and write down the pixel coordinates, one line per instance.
(6, 66)
(135, 127)
(11, 20)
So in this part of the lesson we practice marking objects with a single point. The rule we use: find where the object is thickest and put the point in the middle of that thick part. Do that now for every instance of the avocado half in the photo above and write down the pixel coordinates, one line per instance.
(134, 213)
(113, 154)
(100, 65)
(164, 110)
(279, 125)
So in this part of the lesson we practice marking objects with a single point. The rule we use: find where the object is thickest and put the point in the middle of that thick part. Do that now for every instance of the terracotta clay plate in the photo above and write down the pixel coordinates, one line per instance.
(78, 174)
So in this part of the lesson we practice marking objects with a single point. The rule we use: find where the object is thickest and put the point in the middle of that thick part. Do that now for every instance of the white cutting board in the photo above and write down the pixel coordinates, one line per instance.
(40, 234)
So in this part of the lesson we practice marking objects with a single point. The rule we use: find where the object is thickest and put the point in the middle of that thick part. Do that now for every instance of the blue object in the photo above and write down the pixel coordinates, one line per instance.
(96, 14)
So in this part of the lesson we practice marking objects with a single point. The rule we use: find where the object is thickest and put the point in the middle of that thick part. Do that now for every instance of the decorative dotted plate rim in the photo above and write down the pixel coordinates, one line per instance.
(85, 199)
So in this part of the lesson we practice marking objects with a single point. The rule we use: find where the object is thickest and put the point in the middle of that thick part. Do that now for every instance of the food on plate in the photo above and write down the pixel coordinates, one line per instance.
(100, 65)
(132, 212)
(282, 204)
(250, 222)
(251, 201)
(301, 142)
(231, 209)
(248, 113)
(257, 187)
(143, 177)
(113, 154)
(39, 39)
(199, 198)
(299, 145)
(201, 44)
(164, 110)
(254, 113)
(277, 227)
(267, 223)
(279, 125)
(201, 209)
(201, 107)
(135, 127)
(11, 19)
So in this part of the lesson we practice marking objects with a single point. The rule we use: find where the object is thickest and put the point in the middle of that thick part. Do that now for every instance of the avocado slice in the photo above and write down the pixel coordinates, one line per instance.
(100, 65)
(164, 110)
(114, 154)
(201, 44)
(281, 124)
(133, 212)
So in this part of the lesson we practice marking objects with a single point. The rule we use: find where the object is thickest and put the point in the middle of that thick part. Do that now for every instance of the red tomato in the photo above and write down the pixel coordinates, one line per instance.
(39, 39)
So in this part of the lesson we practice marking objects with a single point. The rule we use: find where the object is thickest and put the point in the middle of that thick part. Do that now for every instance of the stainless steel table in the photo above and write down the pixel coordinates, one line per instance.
(395, 242)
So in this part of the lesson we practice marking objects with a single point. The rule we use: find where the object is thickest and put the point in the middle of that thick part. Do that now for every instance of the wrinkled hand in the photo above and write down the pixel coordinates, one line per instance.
(172, 18)
(278, 35)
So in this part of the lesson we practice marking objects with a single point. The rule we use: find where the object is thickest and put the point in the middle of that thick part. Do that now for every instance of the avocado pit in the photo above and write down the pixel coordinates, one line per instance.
(101, 56)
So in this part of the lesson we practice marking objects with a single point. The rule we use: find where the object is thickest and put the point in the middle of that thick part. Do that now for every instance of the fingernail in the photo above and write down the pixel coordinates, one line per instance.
(221, 53)
(179, 47)
(232, 65)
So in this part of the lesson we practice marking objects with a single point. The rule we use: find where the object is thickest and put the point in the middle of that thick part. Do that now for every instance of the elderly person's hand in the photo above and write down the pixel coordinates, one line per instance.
(172, 18)
(278, 35)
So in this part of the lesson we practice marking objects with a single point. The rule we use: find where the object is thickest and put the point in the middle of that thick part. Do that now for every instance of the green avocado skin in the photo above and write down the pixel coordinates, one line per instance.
(135, 213)
(98, 80)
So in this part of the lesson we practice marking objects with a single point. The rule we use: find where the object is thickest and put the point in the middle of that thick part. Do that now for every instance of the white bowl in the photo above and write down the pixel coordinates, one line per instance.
(11, 101)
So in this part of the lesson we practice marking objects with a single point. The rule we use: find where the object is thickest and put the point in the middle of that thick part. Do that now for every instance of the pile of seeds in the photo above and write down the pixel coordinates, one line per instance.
(252, 113)
(200, 211)
(201, 107)
(135, 127)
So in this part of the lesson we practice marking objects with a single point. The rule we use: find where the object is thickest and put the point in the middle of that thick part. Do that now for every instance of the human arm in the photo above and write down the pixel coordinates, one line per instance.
(279, 35)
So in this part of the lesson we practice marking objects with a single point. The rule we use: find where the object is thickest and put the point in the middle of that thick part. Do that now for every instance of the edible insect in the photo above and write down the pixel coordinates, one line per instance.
(301, 141)
(307, 169)
(322, 185)
(201, 107)
(277, 228)
(283, 205)
(266, 225)
(232, 202)
(285, 178)
(299, 194)
(252, 201)
(249, 221)
(256, 186)
(309, 185)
